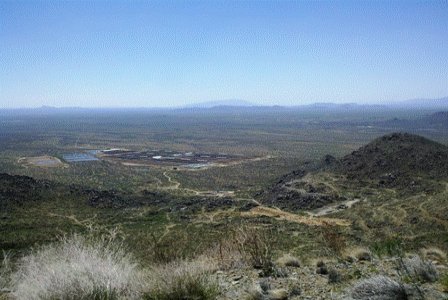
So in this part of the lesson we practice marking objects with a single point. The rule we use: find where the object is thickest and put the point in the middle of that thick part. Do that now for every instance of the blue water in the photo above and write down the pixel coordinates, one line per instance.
(77, 157)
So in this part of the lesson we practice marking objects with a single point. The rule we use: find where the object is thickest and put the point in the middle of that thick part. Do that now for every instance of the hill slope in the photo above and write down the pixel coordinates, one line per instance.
(396, 160)
(405, 162)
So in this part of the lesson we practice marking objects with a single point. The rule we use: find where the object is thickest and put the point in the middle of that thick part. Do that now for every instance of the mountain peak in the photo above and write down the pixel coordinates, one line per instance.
(398, 157)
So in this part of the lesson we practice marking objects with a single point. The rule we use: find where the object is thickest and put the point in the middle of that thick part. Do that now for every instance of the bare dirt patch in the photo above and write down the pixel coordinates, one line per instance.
(291, 217)
(44, 161)
(191, 161)
(275, 213)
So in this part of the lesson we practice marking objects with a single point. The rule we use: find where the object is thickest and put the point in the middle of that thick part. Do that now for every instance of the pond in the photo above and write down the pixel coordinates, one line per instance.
(46, 162)
(79, 157)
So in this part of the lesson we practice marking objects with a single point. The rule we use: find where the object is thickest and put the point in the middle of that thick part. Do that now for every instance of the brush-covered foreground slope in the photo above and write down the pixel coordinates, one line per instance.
(160, 227)
(36, 211)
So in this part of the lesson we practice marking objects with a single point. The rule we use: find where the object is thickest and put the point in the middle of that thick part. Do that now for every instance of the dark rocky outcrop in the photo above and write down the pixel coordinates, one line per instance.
(292, 193)
(16, 190)
(398, 160)
(406, 162)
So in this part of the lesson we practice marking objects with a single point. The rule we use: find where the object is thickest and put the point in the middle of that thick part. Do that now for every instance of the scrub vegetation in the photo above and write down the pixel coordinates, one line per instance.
(341, 206)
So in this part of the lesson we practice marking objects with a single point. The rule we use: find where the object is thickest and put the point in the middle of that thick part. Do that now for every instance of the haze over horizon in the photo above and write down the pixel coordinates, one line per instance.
(168, 54)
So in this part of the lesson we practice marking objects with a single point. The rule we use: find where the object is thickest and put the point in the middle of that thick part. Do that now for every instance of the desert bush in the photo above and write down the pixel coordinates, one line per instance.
(265, 286)
(163, 249)
(78, 268)
(226, 253)
(256, 250)
(321, 268)
(295, 290)
(419, 269)
(388, 247)
(444, 282)
(360, 254)
(378, 288)
(334, 276)
(288, 260)
(320, 263)
(184, 279)
(333, 239)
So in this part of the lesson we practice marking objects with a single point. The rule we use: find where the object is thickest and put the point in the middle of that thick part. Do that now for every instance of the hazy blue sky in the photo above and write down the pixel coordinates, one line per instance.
(138, 53)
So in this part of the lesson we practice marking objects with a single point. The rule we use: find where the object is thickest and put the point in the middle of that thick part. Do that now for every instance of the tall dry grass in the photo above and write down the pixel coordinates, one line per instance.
(77, 267)
(184, 279)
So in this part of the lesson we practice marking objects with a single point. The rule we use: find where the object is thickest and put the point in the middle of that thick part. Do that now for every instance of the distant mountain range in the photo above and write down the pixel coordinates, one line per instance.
(412, 103)
(225, 102)
(423, 103)
(239, 104)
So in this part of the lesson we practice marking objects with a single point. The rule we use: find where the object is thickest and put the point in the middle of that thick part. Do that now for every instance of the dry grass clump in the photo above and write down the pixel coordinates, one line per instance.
(278, 294)
(180, 280)
(5, 273)
(287, 260)
(78, 268)
(378, 288)
(255, 294)
(420, 269)
(433, 253)
(5, 267)
(358, 254)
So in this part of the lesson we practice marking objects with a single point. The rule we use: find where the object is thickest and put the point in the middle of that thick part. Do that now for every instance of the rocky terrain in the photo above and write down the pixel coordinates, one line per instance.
(397, 160)
(402, 161)
(377, 218)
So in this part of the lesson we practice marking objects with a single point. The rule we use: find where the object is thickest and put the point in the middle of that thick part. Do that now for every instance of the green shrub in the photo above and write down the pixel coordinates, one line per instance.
(334, 276)
(388, 247)
(444, 282)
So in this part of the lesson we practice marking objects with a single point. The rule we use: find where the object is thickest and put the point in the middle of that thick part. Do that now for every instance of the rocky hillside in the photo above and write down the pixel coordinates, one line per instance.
(299, 190)
(397, 160)
(406, 162)
(18, 190)
(441, 116)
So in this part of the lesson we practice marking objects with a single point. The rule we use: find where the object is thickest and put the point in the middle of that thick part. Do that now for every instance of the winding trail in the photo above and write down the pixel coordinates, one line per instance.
(295, 218)
(176, 184)
(312, 219)
(85, 223)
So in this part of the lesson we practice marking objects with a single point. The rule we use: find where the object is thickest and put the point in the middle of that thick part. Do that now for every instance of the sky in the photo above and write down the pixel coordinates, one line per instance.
(174, 53)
